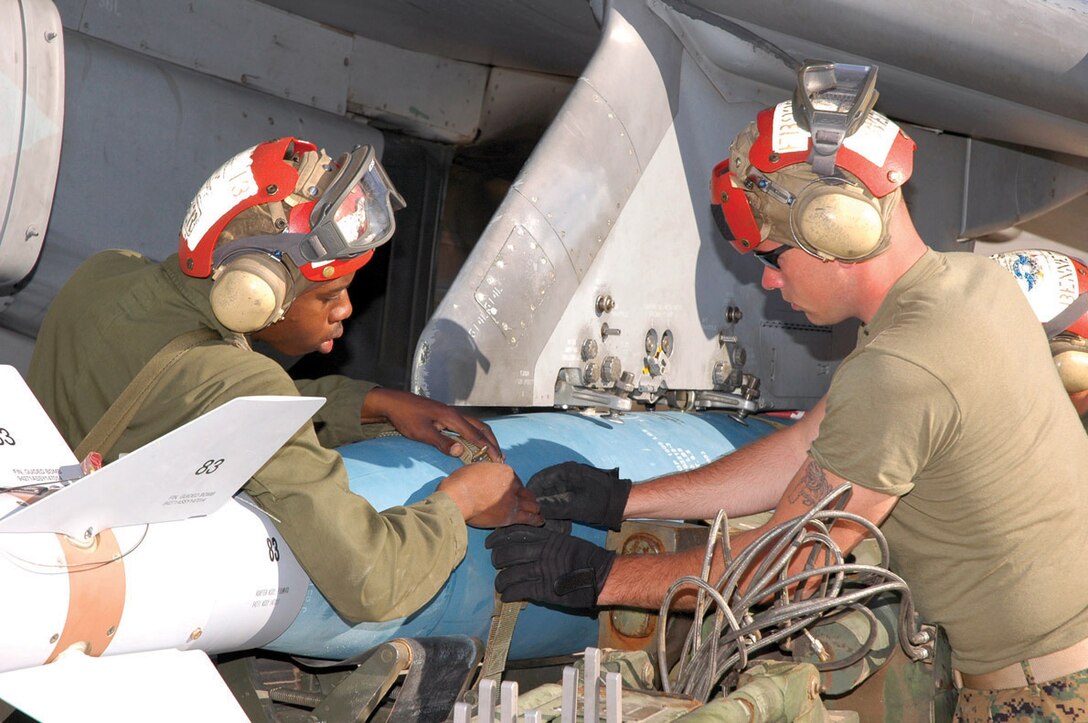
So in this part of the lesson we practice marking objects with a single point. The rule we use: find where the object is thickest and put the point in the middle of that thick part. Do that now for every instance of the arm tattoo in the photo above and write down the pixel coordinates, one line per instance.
(812, 488)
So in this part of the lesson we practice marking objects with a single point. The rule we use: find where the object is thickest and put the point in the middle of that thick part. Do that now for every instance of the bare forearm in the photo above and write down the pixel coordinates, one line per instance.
(749, 480)
(643, 580)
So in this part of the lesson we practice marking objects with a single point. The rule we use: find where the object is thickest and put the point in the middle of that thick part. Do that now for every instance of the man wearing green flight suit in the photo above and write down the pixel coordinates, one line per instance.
(267, 251)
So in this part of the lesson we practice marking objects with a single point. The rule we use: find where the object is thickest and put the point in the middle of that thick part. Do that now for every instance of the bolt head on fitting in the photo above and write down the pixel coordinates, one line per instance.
(651, 341)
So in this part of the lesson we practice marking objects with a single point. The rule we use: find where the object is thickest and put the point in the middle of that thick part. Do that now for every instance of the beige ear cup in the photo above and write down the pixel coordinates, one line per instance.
(838, 222)
(249, 292)
(1071, 358)
(832, 218)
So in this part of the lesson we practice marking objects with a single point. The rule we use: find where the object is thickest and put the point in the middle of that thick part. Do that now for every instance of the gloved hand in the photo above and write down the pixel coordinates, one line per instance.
(575, 491)
(548, 567)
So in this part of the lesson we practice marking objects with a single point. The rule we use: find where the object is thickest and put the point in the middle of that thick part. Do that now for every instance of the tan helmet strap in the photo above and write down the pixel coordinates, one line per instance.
(313, 173)
(278, 215)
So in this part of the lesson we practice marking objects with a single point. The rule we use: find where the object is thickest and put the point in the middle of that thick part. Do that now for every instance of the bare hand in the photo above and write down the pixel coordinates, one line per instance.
(425, 420)
(491, 495)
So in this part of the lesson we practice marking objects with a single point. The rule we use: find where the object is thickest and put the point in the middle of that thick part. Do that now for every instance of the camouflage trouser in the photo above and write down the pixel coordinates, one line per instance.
(1056, 701)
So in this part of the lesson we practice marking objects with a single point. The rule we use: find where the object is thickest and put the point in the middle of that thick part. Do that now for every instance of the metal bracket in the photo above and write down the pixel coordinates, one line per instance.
(923, 646)
(569, 392)
(709, 399)
(360, 694)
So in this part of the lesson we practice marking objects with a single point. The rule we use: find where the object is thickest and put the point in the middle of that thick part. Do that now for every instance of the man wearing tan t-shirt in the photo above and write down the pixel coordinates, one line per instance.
(979, 487)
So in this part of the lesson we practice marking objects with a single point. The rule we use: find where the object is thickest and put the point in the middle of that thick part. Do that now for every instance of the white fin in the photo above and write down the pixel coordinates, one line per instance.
(189, 472)
(132, 687)
(31, 449)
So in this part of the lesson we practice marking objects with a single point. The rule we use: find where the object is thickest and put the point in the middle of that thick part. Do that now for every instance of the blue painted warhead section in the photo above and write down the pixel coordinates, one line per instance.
(393, 471)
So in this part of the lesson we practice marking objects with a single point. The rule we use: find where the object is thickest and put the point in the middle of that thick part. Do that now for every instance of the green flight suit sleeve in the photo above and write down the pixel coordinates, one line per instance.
(337, 422)
(370, 565)
(118, 310)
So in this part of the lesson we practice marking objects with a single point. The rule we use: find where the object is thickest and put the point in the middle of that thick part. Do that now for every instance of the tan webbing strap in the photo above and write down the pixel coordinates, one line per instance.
(505, 616)
(499, 637)
(115, 421)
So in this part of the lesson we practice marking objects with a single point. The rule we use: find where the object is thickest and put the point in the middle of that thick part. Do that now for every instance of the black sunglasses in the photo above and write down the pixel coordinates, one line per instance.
(770, 258)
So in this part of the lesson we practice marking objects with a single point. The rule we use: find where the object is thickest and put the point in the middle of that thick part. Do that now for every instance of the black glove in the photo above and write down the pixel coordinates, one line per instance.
(575, 491)
(548, 567)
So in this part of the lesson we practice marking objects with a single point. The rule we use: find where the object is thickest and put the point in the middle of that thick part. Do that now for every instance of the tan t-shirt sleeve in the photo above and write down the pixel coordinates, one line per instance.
(886, 418)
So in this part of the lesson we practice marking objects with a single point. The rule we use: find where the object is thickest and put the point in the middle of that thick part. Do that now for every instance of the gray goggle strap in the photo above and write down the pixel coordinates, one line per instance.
(832, 101)
(325, 242)
(1066, 317)
(277, 245)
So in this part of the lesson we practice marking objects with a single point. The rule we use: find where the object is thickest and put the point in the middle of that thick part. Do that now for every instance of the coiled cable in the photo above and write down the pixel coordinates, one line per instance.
(743, 623)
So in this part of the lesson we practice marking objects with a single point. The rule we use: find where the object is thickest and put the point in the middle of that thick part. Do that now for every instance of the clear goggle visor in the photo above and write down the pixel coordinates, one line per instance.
(355, 214)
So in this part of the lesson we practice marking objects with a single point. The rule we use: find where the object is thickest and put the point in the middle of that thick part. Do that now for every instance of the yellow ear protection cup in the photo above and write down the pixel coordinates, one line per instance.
(835, 218)
(250, 290)
(1071, 357)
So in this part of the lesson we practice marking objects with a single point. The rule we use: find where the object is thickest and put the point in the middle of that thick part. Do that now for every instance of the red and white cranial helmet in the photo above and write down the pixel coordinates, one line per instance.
(821, 171)
(289, 199)
(1056, 286)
